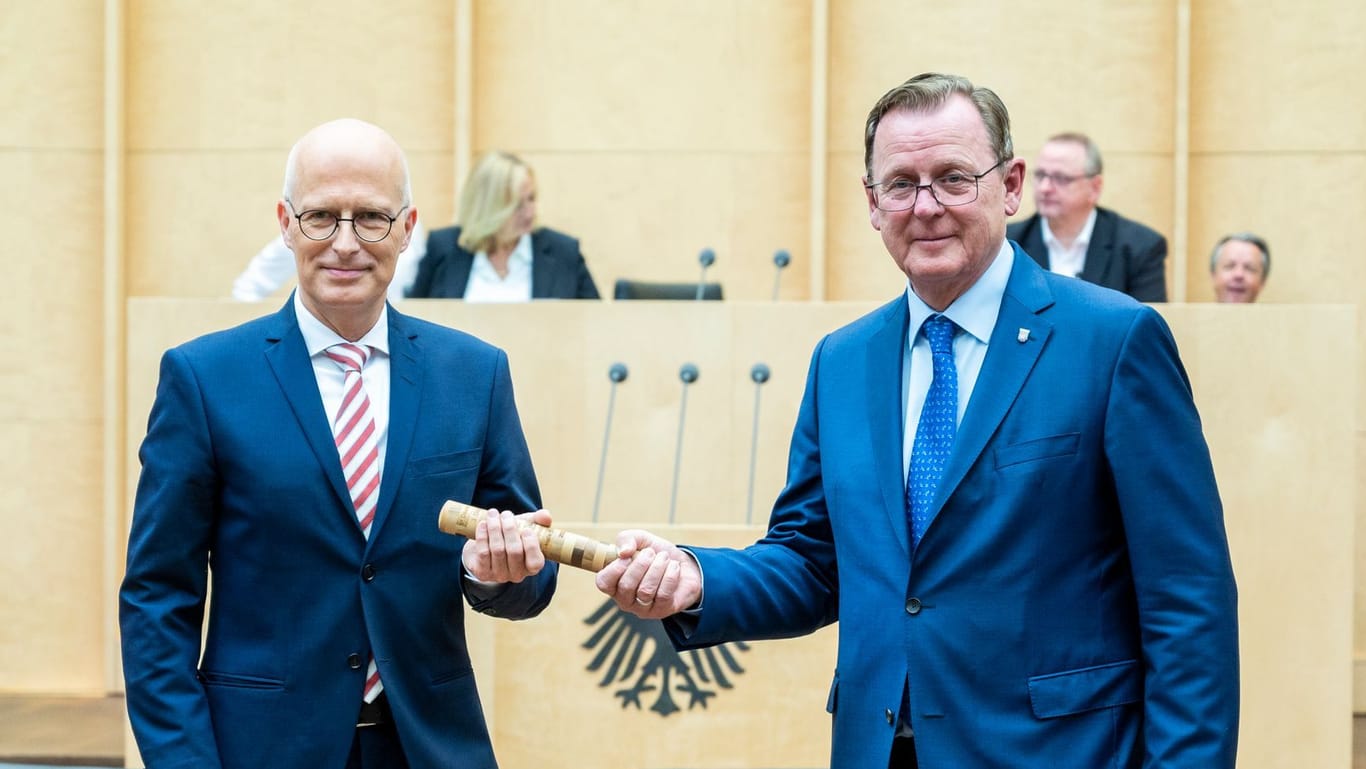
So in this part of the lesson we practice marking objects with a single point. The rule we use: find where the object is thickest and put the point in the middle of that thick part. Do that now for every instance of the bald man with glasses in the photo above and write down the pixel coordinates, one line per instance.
(1071, 235)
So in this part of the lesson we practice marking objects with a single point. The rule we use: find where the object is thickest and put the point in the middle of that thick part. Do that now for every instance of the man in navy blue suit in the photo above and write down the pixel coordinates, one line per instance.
(298, 464)
(1014, 521)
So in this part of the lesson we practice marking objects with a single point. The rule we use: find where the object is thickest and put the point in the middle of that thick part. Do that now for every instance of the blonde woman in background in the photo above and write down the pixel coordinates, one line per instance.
(496, 253)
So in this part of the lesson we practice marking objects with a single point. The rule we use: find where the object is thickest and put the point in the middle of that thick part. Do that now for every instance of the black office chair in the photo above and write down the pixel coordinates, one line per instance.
(636, 289)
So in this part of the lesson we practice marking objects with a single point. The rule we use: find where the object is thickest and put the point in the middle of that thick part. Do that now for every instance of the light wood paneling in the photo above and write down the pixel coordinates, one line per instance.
(1277, 76)
(606, 76)
(50, 379)
(255, 74)
(217, 95)
(1311, 249)
(647, 216)
(699, 142)
(50, 69)
(1103, 68)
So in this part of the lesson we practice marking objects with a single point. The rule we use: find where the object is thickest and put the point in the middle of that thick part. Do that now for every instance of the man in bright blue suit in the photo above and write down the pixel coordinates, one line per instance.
(335, 634)
(1055, 589)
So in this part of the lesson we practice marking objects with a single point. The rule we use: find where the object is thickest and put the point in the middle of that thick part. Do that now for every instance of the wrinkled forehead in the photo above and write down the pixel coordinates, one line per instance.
(953, 130)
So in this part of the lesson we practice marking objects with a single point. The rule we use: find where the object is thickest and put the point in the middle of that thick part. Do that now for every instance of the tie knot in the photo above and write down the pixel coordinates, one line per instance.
(939, 330)
(350, 357)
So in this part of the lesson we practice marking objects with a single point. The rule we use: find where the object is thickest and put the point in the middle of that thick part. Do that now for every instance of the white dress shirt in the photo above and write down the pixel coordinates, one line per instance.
(486, 285)
(1068, 260)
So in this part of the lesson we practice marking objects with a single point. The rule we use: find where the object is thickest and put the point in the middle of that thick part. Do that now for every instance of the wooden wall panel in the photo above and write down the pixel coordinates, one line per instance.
(1310, 247)
(657, 129)
(646, 217)
(52, 637)
(217, 94)
(50, 81)
(1277, 76)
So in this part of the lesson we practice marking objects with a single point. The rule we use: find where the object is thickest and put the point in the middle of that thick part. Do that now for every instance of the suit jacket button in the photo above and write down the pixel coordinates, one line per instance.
(891, 717)
(913, 606)
(367, 573)
(353, 661)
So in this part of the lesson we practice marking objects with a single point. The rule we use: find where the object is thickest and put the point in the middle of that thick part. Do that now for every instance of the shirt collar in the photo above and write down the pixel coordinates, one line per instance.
(976, 310)
(318, 337)
(1083, 237)
(521, 253)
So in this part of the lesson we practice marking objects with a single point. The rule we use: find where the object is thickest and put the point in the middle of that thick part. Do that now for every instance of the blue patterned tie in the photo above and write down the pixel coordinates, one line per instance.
(938, 425)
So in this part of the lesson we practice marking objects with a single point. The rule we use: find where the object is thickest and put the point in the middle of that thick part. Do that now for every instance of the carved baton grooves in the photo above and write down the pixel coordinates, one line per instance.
(557, 544)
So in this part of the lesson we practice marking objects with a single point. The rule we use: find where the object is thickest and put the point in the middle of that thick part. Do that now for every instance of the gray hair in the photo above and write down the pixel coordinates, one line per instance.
(931, 90)
(1244, 237)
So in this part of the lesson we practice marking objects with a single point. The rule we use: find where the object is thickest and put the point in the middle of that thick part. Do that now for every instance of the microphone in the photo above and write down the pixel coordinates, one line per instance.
(781, 259)
(706, 258)
(616, 374)
(759, 373)
(688, 374)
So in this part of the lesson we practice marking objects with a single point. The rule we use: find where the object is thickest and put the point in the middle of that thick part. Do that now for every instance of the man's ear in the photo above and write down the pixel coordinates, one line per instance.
(1014, 184)
(874, 213)
(409, 222)
(283, 213)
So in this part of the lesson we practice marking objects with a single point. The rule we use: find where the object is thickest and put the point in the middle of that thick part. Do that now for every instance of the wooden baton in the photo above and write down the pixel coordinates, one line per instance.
(557, 544)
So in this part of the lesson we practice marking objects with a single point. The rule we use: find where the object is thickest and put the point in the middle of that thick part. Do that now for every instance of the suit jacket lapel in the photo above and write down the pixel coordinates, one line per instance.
(886, 349)
(1004, 370)
(289, 360)
(1098, 251)
(405, 391)
(458, 266)
(542, 267)
(1033, 241)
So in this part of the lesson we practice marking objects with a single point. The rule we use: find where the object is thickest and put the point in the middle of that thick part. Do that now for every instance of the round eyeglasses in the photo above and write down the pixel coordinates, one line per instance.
(369, 226)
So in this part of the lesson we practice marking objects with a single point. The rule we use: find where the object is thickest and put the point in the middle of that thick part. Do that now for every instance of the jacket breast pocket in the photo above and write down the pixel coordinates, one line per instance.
(440, 464)
(1040, 448)
(1077, 691)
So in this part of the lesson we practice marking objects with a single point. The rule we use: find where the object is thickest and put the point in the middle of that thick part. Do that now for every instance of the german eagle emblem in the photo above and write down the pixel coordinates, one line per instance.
(622, 641)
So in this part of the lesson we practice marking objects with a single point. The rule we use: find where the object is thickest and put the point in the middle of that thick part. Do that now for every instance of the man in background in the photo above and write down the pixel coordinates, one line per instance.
(305, 457)
(1239, 266)
(1070, 235)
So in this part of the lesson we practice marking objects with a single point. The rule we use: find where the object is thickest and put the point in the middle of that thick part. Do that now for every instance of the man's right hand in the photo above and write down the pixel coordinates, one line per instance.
(652, 578)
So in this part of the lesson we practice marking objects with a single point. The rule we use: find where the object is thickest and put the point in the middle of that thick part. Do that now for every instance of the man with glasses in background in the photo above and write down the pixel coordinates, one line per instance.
(997, 486)
(305, 456)
(1070, 235)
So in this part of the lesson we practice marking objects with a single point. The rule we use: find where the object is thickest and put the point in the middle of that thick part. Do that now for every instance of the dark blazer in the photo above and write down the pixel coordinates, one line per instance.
(1072, 603)
(240, 472)
(1123, 254)
(558, 270)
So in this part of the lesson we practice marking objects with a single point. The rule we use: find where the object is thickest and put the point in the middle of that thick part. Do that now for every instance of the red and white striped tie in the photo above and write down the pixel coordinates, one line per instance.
(358, 446)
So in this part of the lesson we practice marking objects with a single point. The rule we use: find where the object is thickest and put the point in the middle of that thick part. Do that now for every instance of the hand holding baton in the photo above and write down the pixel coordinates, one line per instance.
(557, 544)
